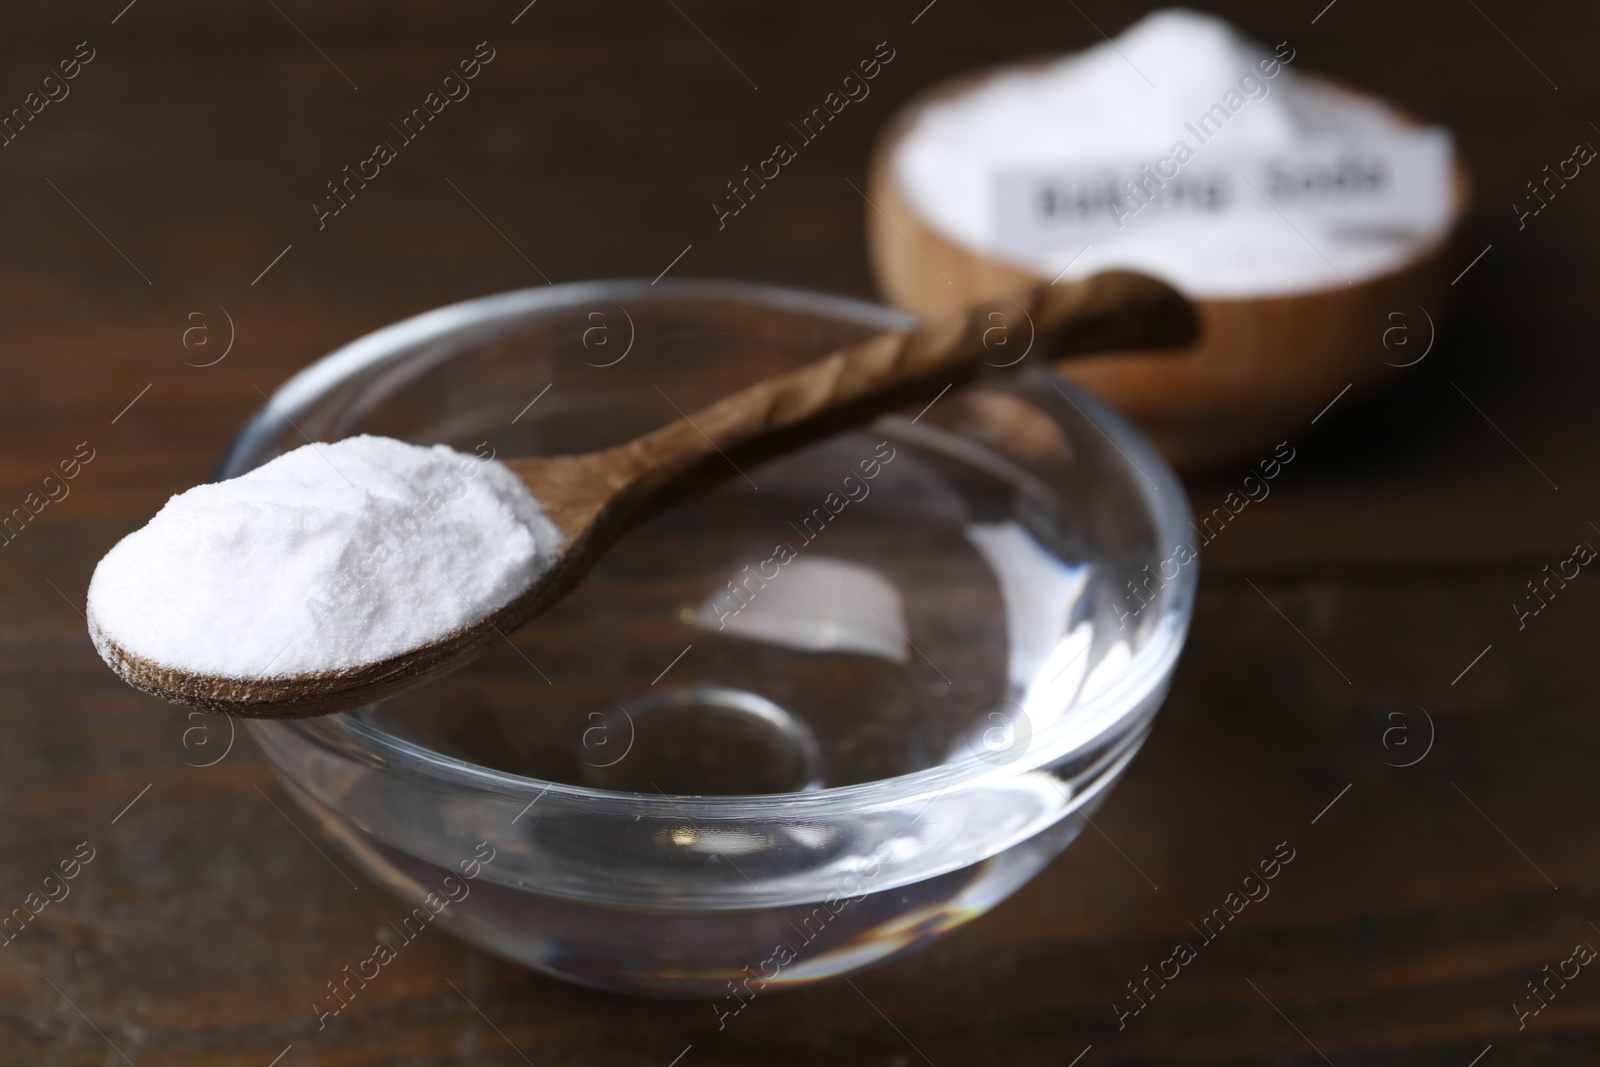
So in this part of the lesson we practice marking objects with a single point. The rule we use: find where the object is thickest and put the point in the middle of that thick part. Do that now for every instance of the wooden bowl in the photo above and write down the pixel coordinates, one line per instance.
(1263, 368)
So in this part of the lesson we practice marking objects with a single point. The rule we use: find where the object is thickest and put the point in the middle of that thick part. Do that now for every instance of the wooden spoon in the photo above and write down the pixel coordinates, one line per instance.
(594, 497)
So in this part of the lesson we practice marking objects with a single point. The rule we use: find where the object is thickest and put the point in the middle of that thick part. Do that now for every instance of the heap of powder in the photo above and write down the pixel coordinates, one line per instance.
(1097, 106)
(330, 556)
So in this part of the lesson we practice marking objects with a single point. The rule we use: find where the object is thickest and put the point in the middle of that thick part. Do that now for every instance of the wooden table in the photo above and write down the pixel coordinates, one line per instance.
(177, 178)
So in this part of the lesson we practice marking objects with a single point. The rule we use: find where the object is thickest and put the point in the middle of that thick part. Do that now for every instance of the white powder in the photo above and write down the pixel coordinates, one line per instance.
(1097, 106)
(329, 556)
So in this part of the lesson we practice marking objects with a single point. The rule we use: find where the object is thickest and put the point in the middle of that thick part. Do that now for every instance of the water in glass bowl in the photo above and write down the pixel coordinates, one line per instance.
(878, 604)
(910, 595)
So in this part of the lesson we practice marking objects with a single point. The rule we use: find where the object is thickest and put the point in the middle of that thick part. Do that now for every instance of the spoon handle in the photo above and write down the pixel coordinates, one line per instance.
(1110, 311)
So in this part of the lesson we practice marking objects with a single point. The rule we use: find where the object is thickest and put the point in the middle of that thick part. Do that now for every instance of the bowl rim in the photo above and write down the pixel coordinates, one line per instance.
(472, 320)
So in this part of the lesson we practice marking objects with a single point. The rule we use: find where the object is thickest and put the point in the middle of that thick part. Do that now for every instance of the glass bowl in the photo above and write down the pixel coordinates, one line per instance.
(787, 729)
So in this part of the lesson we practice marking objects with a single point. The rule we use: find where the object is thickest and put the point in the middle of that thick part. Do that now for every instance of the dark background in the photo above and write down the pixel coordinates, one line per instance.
(1418, 905)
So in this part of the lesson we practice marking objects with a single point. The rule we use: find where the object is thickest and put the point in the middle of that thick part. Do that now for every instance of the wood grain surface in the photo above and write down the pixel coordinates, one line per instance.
(178, 176)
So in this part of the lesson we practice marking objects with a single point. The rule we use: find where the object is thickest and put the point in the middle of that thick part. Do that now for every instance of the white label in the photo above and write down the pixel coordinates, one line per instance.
(1394, 183)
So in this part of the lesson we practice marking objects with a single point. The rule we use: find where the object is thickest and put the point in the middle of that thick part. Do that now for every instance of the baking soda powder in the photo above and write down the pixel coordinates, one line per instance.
(328, 557)
(1186, 151)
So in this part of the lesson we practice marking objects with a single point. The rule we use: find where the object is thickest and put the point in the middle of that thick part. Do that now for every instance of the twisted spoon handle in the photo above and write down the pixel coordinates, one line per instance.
(1115, 310)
